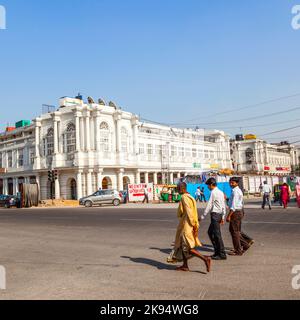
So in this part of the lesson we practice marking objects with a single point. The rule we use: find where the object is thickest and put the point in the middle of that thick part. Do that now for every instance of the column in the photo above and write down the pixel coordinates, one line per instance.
(37, 143)
(55, 136)
(120, 179)
(155, 180)
(89, 182)
(82, 134)
(137, 177)
(78, 129)
(79, 184)
(171, 178)
(97, 129)
(16, 187)
(87, 131)
(134, 122)
(99, 178)
(118, 117)
(92, 133)
(178, 175)
(5, 186)
(57, 188)
(146, 177)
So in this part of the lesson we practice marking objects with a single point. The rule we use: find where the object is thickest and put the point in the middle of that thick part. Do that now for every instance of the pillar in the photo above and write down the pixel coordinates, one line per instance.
(134, 122)
(37, 144)
(82, 134)
(55, 138)
(57, 188)
(89, 182)
(16, 187)
(79, 184)
(118, 118)
(146, 177)
(137, 177)
(87, 131)
(171, 178)
(97, 129)
(78, 130)
(120, 179)
(5, 186)
(155, 180)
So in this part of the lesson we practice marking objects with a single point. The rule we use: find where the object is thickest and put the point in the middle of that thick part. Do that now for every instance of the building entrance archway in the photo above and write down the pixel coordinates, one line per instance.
(106, 183)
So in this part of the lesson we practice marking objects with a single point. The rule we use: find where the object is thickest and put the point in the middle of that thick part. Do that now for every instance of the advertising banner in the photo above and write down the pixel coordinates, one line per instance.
(136, 192)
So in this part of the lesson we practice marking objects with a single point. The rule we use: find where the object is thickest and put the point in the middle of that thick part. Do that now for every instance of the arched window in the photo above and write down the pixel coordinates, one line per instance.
(71, 138)
(104, 137)
(249, 156)
(49, 142)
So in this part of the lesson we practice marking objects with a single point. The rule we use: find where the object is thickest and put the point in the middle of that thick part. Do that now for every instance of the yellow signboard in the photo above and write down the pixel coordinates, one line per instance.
(250, 137)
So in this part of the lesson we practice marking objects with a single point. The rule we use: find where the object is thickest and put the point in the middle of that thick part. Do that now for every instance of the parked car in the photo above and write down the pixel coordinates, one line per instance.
(3, 199)
(11, 201)
(102, 197)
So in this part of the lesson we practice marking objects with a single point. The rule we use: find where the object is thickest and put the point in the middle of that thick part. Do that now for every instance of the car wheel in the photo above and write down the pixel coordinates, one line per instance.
(116, 202)
(88, 204)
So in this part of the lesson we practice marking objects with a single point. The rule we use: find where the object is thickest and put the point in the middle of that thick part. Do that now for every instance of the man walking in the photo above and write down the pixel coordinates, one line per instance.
(241, 242)
(202, 195)
(198, 194)
(187, 232)
(217, 208)
(266, 191)
(146, 193)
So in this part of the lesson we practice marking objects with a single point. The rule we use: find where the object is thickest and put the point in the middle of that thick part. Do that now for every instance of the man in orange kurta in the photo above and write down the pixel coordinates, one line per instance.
(187, 232)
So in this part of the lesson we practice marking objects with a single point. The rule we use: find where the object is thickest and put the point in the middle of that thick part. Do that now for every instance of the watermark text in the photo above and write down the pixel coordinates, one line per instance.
(296, 18)
(296, 278)
(2, 18)
(2, 278)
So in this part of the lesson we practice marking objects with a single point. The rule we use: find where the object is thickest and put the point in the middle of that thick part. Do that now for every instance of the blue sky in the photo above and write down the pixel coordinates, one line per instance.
(168, 61)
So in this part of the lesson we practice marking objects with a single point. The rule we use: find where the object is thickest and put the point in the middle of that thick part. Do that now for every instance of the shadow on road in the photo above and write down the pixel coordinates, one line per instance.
(159, 265)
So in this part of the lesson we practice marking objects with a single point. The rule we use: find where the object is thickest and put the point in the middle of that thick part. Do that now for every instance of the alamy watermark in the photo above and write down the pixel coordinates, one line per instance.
(296, 278)
(2, 278)
(296, 18)
(2, 18)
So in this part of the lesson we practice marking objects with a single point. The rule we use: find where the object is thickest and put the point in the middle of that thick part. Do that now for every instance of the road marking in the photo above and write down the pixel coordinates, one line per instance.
(145, 220)
(265, 222)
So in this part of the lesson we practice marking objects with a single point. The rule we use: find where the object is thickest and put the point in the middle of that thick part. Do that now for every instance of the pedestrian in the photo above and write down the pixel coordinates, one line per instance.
(202, 195)
(298, 193)
(198, 194)
(285, 195)
(217, 208)
(241, 241)
(266, 191)
(146, 193)
(187, 239)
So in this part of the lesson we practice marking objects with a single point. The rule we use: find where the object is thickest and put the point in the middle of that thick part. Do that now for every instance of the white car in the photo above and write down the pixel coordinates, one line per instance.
(102, 197)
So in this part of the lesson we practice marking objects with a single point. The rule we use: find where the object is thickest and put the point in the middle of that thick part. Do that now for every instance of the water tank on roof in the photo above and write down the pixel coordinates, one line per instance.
(239, 137)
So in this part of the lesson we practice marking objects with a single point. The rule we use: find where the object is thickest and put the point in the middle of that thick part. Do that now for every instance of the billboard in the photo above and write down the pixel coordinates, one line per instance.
(136, 192)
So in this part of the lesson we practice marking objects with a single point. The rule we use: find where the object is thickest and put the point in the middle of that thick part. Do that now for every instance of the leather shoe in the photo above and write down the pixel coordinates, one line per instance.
(219, 258)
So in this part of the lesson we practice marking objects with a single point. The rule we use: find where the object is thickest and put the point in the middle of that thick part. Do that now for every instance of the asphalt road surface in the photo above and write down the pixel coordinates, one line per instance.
(120, 253)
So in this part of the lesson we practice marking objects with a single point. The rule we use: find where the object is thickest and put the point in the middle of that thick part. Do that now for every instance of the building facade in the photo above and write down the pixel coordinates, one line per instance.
(94, 145)
(256, 156)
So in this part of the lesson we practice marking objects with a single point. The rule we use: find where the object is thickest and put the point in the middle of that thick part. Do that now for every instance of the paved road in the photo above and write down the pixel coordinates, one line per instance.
(120, 253)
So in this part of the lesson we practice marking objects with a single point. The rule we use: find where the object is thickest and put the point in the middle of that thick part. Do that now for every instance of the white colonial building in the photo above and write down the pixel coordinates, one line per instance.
(94, 145)
(251, 155)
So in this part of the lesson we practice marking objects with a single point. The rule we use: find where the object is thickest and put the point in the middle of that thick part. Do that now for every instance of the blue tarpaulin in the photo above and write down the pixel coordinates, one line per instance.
(223, 186)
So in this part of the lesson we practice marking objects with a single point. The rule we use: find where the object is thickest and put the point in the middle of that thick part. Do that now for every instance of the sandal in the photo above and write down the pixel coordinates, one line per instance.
(182, 268)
